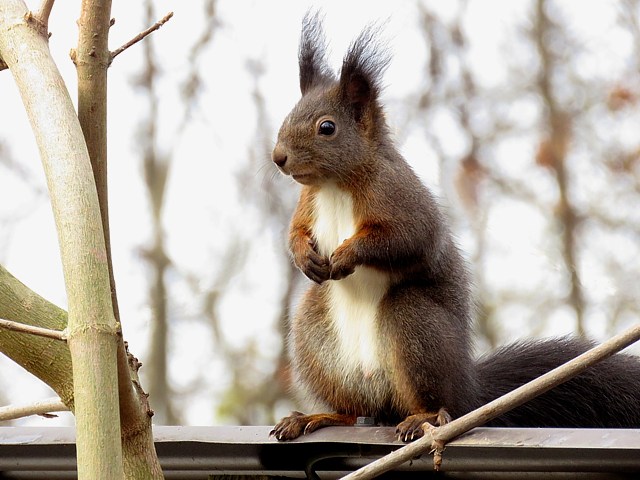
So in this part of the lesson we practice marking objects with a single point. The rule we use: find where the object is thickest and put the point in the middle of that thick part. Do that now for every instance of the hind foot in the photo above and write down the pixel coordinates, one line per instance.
(412, 427)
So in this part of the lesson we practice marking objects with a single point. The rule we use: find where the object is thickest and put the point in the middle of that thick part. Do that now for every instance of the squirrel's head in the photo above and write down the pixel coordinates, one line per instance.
(335, 131)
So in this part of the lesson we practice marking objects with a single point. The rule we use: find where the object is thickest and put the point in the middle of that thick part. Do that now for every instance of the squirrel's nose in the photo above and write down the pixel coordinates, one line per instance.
(279, 156)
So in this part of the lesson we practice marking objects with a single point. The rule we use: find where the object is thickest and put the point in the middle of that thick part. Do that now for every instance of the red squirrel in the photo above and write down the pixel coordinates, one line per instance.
(385, 328)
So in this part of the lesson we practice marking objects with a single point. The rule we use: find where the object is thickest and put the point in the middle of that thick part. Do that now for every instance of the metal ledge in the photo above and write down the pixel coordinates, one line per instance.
(200, 452)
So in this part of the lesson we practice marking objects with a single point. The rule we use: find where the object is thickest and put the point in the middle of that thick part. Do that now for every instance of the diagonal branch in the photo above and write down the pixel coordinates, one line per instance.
(33, 353)
(436, 437)
(141, 35)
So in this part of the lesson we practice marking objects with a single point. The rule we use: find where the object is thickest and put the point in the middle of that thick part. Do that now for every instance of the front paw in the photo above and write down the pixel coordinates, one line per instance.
(315, 266)
(342, 263)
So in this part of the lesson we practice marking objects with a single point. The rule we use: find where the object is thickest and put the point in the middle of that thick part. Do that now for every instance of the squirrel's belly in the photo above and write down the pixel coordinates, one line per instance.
(353, 305)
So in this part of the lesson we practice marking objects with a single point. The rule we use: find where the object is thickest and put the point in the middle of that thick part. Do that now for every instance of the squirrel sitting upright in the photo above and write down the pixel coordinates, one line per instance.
(384, 330)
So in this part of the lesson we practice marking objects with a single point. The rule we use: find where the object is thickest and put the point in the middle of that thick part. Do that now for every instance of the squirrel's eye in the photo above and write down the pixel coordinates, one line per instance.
(327, 128)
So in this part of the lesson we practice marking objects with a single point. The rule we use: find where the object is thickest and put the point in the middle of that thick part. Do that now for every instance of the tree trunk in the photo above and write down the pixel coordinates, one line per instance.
(92, 59)
(92, 330)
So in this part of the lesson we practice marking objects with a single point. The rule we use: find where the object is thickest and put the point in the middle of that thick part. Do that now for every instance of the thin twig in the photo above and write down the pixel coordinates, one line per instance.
(41, 332)
(141, 35)
(436, 437)
(43, 407)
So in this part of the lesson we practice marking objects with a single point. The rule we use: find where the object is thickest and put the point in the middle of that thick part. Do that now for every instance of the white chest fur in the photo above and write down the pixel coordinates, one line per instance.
(334, 219)
(353, 301)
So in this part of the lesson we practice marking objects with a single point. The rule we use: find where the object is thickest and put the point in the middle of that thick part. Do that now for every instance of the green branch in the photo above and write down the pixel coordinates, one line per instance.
(19, 303)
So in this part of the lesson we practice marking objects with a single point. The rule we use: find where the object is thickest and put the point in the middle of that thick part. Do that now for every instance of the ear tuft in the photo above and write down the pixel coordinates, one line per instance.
(314, 69)
(362, 70)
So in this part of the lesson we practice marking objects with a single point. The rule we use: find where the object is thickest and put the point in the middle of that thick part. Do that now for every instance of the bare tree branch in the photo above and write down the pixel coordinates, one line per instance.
(43, 407)
(39, 19)
(141, 35)
(41, 332)
(193, 81)
(35, 354)
(43, 12)
(156, 166)
(552, 154)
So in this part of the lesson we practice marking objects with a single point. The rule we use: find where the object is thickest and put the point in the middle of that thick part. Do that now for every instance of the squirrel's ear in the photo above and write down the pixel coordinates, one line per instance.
(314, 69)
(361, 74)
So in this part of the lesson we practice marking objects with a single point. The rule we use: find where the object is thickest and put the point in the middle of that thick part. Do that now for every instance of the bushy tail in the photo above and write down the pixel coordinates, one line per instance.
(607, 395)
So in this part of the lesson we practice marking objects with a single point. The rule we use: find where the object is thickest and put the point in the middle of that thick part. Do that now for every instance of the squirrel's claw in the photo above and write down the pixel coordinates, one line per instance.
(412, 427)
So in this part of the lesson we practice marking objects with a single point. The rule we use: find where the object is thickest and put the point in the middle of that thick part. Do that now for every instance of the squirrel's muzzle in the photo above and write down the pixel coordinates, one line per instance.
(279, 157)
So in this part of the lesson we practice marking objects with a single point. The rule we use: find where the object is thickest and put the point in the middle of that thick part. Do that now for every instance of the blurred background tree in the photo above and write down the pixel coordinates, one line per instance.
(522, 116)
